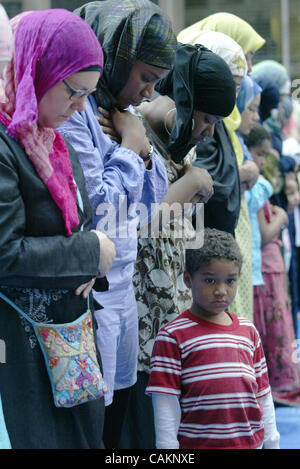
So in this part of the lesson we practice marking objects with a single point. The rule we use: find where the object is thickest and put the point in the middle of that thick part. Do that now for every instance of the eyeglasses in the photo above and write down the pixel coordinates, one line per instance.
(76, 95)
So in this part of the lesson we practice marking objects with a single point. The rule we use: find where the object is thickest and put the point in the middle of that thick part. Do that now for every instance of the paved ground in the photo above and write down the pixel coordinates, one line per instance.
(288, 424)
(288, 419)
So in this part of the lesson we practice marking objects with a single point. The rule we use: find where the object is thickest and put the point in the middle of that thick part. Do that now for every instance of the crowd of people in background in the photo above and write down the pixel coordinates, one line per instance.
(102, 110)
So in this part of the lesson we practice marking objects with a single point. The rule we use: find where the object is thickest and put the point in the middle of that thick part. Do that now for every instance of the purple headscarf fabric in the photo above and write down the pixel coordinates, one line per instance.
(50, 45)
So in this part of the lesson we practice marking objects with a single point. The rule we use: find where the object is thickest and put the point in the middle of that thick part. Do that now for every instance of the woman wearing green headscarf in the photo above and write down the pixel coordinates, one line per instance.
(274, 72)
(139, 49)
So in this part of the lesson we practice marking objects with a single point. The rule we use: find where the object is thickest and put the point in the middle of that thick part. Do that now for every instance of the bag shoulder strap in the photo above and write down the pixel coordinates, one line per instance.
(11, 303)
(24, 315)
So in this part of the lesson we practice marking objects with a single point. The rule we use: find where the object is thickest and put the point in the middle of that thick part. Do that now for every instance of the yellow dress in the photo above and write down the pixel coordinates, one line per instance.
(243, 303)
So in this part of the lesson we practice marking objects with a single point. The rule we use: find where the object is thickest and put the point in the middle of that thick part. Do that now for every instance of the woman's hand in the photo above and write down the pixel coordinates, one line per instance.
(274, 152)
(130, 129)
(107, 253)
(85, 288)
(195, 186)
(126, 129)
(180, 168)
(249, 173)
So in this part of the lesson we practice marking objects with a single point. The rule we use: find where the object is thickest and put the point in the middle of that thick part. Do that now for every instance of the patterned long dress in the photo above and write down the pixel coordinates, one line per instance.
(273, 319)
(160, 291)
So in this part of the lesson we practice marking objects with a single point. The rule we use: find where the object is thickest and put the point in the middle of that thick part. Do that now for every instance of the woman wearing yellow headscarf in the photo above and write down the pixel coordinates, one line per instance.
(227, 23)
(250, 41)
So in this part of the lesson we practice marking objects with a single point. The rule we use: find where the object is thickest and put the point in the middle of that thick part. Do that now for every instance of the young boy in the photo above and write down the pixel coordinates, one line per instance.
(209, 380)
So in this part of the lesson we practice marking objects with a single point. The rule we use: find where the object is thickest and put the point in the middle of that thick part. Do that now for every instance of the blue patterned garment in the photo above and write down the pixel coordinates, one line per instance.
(256, 199)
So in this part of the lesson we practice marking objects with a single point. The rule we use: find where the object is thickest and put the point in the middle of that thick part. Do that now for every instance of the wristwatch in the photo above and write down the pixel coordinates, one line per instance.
(149, 155)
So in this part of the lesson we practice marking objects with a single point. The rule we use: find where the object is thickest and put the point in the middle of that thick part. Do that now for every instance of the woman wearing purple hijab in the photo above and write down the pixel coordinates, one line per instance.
(48, 257)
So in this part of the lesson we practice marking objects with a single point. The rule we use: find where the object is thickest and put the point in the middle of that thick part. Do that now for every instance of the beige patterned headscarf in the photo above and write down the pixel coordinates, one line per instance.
(225, 47)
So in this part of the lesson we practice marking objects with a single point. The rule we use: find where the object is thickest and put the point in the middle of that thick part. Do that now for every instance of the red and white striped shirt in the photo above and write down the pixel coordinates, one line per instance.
(218, 372)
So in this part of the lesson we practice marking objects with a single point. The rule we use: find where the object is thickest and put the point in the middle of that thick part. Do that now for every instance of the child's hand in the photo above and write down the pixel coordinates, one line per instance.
(85, 288)
(281, 214)
(275, 153)
(107, 253)
(249, 174)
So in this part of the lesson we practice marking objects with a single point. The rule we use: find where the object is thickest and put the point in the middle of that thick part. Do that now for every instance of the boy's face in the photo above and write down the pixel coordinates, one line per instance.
(213, 287)
(292, 194)
(260, 153)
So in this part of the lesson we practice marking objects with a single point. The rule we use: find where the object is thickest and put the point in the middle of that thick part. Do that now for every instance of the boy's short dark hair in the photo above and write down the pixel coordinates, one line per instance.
(256, 136)
(217, 245)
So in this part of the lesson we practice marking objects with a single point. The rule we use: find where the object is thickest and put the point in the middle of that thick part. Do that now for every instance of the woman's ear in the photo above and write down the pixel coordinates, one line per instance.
(187, 279)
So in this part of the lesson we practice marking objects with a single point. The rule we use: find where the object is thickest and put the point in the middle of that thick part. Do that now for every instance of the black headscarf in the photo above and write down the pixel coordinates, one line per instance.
(128, 30)
(218, 157)
(202, 81)
(269, 98)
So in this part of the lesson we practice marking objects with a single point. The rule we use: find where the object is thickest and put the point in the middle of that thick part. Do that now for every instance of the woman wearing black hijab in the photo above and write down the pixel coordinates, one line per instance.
(200, 81)
(171, 117)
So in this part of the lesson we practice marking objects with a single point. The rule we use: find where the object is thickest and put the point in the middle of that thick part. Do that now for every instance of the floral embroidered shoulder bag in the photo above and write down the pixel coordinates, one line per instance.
(70, 355)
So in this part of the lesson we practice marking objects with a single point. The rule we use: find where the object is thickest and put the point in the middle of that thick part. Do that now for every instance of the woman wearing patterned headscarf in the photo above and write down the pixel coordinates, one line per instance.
(227, 48)
(139, 48)
(128, 31)
(190, 104)
(48, 258)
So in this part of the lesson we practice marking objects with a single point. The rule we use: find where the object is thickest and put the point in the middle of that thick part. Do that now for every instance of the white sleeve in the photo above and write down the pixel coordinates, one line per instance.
(271, 437)
(167, 416)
